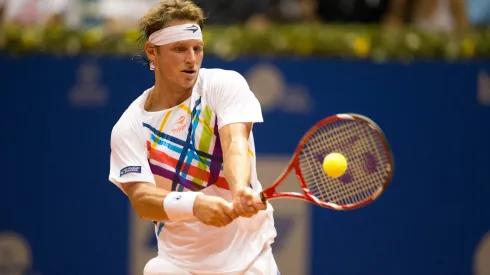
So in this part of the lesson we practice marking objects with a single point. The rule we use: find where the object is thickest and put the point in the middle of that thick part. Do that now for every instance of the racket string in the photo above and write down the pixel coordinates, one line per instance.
(353, 192)
(324, 190)
(365, 154)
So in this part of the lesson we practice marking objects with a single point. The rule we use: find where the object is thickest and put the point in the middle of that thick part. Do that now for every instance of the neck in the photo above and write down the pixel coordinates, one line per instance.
(164, 96)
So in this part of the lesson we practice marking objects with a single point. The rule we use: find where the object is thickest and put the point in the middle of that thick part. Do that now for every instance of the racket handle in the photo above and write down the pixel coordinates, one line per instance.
(262, 197)
(259, 198)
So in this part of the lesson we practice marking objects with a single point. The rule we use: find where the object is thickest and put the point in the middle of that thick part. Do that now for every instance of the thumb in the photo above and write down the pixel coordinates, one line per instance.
(248, 196)
(258, 203)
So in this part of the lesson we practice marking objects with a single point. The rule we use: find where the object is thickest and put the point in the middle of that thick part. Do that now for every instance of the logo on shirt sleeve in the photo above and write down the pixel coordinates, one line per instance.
(130, 169)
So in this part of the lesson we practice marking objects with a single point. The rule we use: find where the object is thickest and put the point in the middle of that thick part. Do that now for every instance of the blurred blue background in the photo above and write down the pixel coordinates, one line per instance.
(60, 215)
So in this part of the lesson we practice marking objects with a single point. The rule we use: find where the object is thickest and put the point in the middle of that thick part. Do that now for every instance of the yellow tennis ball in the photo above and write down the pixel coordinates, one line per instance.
(334, 165)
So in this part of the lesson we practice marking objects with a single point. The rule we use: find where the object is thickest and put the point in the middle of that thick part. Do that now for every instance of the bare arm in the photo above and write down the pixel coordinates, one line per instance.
(131, 172)
(234, 142)
(147, 200)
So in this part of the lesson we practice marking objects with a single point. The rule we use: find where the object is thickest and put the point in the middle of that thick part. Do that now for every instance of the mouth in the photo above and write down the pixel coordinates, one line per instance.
(189, 72)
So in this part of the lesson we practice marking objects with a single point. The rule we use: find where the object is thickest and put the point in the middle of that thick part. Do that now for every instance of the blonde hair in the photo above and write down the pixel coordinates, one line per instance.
(159, 16)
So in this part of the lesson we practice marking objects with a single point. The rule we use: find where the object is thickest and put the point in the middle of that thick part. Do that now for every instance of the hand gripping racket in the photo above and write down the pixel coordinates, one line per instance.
(369, 164)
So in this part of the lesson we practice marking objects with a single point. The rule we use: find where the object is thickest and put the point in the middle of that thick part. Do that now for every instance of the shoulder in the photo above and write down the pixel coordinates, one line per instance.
(211, 73)
(129, 121)
(219, 78)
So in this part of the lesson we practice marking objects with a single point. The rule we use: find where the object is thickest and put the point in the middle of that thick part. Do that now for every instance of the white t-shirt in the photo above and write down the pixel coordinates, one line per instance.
(179, 149)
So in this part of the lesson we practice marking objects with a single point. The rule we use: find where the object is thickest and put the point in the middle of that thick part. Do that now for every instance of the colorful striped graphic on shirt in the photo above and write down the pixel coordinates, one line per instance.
(194, 163)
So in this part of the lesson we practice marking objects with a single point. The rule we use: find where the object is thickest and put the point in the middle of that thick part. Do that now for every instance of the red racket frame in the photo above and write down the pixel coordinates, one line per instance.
(270, 192)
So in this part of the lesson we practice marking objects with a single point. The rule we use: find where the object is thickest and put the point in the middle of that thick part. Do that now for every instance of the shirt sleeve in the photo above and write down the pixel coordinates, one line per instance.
(233, 101)
(128, 161)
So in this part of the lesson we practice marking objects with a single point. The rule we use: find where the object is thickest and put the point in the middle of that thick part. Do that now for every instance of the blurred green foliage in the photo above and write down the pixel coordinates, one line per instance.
(338, 41)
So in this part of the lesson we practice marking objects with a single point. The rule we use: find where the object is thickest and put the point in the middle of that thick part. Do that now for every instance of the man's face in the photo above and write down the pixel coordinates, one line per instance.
(179, 62)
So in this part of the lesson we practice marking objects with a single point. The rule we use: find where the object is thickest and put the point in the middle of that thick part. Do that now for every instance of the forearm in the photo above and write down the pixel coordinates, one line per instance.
(156, 204)
(237, 165)
(148, 203)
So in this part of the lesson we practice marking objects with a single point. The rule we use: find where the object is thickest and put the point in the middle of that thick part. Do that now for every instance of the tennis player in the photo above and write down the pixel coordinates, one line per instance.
(183, 152)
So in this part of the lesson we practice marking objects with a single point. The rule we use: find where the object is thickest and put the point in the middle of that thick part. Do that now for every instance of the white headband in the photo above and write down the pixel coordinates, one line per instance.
(175, 33)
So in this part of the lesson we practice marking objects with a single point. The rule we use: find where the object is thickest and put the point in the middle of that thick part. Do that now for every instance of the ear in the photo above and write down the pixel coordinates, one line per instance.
(151, 52)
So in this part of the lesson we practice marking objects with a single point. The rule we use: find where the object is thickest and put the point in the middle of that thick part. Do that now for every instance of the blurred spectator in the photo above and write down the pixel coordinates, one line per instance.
(344, 11)
(431, 15)
(121, 14)
(2, 11)
(225, 12)
(285, 11)
(117, 15)
(38, 12)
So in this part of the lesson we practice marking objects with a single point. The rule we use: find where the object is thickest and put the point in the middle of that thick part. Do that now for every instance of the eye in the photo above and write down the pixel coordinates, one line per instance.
(180, 49)
(198, 49)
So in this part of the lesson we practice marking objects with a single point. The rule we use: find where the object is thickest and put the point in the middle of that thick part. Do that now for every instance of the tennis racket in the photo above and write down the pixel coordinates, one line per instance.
(369, 169)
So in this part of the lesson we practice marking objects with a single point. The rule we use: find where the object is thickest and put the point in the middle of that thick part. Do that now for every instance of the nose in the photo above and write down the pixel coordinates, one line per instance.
(190, 57)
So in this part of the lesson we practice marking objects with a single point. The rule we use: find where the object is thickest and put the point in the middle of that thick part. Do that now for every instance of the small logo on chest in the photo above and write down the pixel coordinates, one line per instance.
(179, 124)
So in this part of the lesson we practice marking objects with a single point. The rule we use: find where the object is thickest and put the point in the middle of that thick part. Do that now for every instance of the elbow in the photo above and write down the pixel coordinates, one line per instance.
(147, 206)
(138, 202)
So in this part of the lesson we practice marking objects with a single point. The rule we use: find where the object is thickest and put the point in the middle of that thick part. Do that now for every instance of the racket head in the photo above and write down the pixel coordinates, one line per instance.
(370, 163)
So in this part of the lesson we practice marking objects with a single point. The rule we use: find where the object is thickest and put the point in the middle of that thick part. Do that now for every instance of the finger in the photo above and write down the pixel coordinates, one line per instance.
(233, 214)
(226, 219)
(247, 202)
(223, 220)
(248, 196)
(226, 211)
(216, 217)
(230, 211)
(243, 212)
(260, 206)
(239, 209)
(214, 223)
(218, 223)
(252, 209)
(247, 212)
